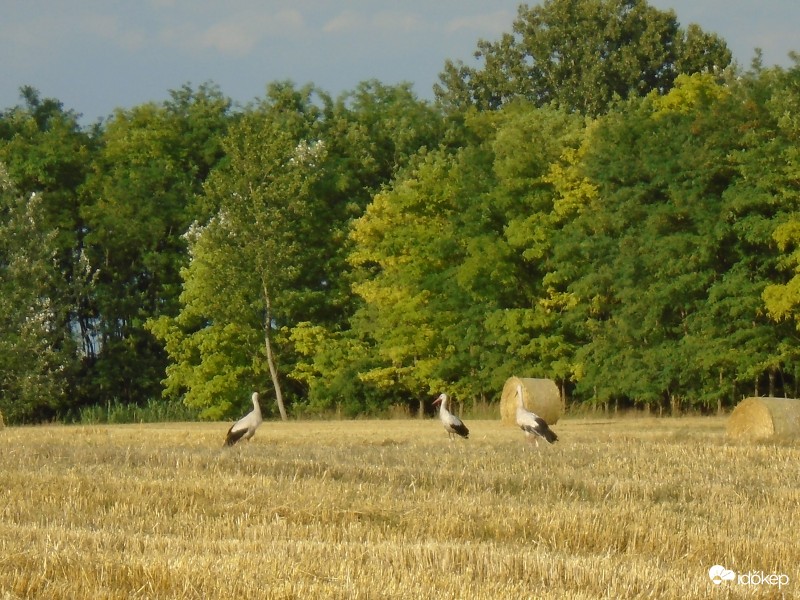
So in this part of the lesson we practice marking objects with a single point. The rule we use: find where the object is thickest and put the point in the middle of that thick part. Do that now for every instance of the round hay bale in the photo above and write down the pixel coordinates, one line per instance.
(760, 418)
(538, 395)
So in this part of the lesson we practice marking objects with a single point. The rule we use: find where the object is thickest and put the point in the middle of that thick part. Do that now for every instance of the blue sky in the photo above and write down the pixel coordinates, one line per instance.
(96, 55)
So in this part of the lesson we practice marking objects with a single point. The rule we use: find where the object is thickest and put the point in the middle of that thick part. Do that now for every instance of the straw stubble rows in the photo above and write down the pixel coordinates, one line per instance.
(391, 509)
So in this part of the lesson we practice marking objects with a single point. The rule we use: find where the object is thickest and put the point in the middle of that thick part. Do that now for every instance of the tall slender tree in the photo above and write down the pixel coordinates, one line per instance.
(256, 265)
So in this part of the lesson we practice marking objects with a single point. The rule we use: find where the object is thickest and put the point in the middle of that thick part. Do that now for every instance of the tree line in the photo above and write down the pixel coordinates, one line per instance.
(603, 199)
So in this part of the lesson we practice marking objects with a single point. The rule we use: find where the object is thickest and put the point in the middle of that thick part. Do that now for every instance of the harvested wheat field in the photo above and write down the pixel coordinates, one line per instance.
(634, 508)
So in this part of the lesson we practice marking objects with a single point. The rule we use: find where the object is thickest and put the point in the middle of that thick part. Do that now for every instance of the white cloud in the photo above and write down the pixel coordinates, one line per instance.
(495, 23)
(393, 21)
(385, 21)
(108, 28)
(235, 39)
(235, 35)
(347, 21)
(48, 34)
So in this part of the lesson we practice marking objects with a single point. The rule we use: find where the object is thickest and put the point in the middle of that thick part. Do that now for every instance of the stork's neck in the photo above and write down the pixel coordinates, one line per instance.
(256, 407)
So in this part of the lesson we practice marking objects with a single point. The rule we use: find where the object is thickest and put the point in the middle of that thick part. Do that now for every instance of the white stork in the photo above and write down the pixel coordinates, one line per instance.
(245, 428)
(452, 423)
(532, 424)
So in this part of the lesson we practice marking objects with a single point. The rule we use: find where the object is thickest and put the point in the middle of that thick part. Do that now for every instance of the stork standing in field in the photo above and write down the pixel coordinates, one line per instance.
(452, 423)
(532, 424)
(245, 428)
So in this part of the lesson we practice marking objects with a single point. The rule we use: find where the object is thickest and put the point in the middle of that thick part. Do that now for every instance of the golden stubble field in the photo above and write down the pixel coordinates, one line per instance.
(631, 508)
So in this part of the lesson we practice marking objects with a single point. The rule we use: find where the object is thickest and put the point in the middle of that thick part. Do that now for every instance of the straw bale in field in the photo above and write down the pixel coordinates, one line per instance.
(759, 418)
(538, 395)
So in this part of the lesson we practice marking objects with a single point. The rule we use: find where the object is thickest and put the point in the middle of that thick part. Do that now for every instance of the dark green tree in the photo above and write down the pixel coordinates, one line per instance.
(781, 162)
(673, 251)
(138, 200)
(581, 55)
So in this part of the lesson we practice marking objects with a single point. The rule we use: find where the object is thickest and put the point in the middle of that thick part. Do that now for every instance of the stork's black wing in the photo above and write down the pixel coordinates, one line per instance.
(234, 436)
(460, 429)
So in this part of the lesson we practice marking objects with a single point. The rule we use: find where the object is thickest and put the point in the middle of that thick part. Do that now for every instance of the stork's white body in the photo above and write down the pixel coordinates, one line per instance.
(533, 425)
(452, 423)
(245, 428)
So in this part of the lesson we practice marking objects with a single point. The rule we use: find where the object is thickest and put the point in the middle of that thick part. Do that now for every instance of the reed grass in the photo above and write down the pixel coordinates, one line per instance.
(635, 508)
(153, 411)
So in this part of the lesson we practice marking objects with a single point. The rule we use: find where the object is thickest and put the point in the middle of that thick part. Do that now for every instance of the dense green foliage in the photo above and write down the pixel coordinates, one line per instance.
(32, 357)
(582, 55)
(44, 272)
(138, 200)
(349, 254)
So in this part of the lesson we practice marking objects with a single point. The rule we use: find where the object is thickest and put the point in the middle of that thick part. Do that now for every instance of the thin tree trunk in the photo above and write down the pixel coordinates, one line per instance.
(273, 370)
